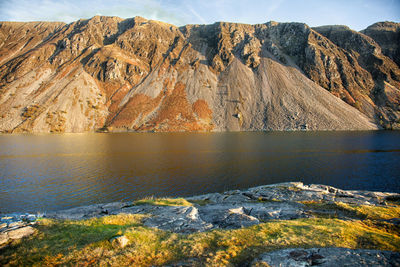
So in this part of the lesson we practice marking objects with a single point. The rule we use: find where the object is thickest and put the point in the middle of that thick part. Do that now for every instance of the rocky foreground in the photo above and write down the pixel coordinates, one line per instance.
(110, 74)
(241, 210)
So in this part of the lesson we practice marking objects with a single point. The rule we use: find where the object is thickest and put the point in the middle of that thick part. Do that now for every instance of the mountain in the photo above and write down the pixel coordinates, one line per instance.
(111, 74)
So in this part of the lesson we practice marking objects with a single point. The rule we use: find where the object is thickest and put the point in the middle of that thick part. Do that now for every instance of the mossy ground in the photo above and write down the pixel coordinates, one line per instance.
(387, 212)
(163, 202)
(86, 242)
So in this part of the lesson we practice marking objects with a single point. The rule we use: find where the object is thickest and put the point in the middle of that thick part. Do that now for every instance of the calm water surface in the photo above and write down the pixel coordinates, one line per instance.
(49, 172)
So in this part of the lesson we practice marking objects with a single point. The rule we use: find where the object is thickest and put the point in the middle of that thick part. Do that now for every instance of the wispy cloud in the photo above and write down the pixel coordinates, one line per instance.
(193, 12)
(273, 7)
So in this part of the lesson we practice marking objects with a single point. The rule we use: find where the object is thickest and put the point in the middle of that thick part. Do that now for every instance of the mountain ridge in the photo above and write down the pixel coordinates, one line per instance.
(113, 74)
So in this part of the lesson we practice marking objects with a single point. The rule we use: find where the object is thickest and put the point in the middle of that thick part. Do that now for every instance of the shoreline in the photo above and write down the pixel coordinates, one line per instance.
(350, 214)
(374, 196)
(200, 132)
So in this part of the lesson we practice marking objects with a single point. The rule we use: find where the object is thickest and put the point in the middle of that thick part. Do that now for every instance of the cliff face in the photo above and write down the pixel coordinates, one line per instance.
(387, 35)
(142, 75)
(369, 78)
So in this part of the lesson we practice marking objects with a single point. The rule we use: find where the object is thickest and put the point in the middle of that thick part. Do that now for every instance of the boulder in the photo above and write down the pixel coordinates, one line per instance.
(15, 234)
(177, 219)
(328, 257)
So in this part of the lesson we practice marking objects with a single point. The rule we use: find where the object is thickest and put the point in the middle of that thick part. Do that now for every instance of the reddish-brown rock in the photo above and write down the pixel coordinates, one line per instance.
(143, 75)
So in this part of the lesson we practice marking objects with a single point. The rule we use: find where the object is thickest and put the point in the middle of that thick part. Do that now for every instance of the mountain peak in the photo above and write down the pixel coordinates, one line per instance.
(144, 75)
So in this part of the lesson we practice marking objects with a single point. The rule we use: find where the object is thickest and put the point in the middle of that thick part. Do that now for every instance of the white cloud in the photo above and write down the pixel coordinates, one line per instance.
(200, 18)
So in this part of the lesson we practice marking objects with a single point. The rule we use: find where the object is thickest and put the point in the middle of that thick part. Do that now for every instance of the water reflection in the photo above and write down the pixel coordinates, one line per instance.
(47, 172)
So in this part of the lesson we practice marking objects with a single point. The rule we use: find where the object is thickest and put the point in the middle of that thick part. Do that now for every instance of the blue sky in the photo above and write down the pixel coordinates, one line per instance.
(356, 14)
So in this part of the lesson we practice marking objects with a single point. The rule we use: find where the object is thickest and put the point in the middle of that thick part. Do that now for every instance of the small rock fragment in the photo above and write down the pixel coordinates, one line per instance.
(119, 241)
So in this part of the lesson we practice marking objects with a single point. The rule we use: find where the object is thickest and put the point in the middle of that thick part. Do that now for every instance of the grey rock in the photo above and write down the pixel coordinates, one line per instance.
(21, 232)
(211, 198)
(111, 207)
(231, 209)
(297, 191)
(227, 216)
(3, 239)
(30, 217)
(177, 219)
(15, 234)
(90, 211)
(277, 211)
(76, 213)
(238, 219)
(15, 225)
(11, 222)
(246, 214)
(328, 257)
(140, 209)
(3, 226)
(236, 198)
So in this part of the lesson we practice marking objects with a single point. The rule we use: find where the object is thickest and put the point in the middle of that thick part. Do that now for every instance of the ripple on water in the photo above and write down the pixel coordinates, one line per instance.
(47, 172)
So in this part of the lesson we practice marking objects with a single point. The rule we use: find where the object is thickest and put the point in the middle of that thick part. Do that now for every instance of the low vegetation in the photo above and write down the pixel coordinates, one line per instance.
(89, 242)
(163, 202)
(30, 111)
(356, 211)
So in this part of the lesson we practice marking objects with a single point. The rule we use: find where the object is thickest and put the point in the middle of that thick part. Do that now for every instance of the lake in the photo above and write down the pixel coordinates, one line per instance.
(49, 172)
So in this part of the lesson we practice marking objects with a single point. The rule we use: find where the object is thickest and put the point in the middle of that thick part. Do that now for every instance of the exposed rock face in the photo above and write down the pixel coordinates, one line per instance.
(142, 75)
(328, 257)
(16, 226)
(387, 35)
(371, 79)
(234, 209)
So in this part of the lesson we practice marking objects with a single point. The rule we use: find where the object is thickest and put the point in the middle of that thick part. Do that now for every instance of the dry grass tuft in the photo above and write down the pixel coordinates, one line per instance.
(163, 202)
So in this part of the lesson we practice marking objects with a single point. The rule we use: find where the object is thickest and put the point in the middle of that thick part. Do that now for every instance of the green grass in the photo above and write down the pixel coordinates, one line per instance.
(357, 211)
(61, 237)
(87, 242)
(200, 202)
(163, 202)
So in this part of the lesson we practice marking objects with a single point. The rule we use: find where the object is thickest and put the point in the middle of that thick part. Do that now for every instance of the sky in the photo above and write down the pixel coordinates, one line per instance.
(357, 14)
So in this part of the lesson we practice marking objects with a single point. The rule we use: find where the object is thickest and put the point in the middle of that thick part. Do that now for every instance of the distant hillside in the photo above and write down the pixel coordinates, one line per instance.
(111, 74)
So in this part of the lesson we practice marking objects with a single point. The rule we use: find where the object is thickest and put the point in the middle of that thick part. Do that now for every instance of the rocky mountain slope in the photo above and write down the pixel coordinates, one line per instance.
(111, 74)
